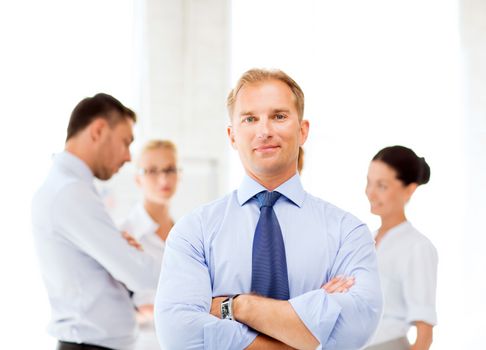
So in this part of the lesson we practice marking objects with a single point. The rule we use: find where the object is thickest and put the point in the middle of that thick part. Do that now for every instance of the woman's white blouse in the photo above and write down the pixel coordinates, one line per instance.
(407, 262)
(143, 228)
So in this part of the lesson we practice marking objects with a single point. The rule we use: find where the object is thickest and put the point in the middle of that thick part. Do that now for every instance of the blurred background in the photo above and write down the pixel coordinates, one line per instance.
(375, 73)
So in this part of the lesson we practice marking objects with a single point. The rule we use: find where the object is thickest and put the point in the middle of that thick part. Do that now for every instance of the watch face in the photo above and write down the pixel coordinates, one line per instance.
(224, 310)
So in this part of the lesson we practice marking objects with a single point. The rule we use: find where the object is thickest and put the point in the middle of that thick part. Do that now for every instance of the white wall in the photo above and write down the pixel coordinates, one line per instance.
(473, 29)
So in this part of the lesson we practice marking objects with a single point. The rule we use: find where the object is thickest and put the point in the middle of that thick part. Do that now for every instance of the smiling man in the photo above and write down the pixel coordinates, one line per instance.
(263, 267)
(86, 264)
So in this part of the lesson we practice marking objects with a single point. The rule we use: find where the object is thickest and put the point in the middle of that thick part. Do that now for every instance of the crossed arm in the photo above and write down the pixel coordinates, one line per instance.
(278, 324)
(315, 319)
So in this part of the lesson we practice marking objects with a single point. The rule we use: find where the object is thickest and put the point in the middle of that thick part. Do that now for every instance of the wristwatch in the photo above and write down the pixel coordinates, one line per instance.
(227, 308)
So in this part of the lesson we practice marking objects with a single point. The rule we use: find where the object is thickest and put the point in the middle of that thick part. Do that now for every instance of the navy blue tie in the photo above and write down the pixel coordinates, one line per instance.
(269, 266)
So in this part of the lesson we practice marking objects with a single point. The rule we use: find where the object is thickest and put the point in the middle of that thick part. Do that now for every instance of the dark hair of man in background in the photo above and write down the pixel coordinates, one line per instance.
(99, 106)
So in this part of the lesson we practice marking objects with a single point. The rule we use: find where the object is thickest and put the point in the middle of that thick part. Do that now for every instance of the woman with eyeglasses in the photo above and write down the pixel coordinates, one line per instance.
(150, 221)
(407, 259)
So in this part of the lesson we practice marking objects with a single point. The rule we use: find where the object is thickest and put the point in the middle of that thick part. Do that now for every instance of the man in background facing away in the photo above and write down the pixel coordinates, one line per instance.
(256, 268)
(86, 264)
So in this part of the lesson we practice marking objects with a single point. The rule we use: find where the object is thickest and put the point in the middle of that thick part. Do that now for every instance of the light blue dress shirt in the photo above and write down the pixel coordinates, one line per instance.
(84, 260)
(209, 253)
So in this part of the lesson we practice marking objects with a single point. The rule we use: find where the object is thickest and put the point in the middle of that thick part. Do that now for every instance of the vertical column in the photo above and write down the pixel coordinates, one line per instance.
(473, 28)
(183, 74)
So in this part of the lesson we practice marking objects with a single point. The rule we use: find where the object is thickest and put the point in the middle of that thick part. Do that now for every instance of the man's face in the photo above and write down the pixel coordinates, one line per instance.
(113, 148)
(266, 130)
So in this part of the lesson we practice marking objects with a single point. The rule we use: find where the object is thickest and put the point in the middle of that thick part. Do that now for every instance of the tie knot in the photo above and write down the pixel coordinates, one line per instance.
(267, 199)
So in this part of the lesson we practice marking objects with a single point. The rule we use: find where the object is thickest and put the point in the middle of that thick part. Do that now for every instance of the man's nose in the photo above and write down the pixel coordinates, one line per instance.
(264, 128)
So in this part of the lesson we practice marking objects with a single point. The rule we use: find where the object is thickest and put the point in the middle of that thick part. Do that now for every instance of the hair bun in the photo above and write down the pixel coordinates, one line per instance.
(423, 175)
(409, 167)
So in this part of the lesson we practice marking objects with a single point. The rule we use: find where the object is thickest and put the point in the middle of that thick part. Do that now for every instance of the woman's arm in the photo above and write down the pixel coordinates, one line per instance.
(424, 336)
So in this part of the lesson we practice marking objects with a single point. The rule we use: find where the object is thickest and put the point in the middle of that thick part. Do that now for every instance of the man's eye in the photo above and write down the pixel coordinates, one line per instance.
(152, 171)
(280, 116)
(127, 141)
(249, 119)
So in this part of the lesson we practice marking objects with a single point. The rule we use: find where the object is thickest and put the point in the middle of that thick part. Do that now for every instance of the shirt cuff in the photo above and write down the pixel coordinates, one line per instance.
(318, 312)
(424, 313)
(226, 334)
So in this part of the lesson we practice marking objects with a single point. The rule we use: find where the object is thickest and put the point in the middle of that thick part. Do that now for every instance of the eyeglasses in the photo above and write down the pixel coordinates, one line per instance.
(154, 172)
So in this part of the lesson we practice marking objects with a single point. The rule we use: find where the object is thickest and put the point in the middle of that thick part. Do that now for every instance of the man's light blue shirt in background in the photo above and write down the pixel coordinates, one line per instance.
(209, 253)
(86, 264)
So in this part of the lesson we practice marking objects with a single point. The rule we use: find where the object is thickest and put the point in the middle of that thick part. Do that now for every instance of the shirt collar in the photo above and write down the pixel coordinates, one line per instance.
(394, 231)
(75, 165)
(292, 189)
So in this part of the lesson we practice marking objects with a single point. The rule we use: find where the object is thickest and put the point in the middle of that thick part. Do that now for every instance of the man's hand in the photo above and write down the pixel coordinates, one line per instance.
(216, 306)
(132, 241)
(339, 284)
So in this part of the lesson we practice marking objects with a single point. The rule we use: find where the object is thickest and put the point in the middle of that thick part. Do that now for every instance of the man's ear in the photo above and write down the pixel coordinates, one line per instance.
(97, 129)
(231, 136)
(304, 131)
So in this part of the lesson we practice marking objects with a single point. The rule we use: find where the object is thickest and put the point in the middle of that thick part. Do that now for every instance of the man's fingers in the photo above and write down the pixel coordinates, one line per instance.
(332, 281)
(132, 241)
(339, 284)
(348, 283)
(345, 284)
(332, 284)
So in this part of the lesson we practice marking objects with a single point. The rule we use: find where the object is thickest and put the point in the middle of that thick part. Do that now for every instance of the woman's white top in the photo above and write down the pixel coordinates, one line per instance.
(143, 228)
(407, 262)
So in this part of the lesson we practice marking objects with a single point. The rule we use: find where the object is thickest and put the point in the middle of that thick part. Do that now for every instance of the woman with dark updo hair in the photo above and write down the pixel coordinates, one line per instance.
(407, 259)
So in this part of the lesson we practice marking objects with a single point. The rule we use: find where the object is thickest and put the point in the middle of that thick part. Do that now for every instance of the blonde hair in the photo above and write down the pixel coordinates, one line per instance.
(300, 160)
(257, 75)
(157, 144)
